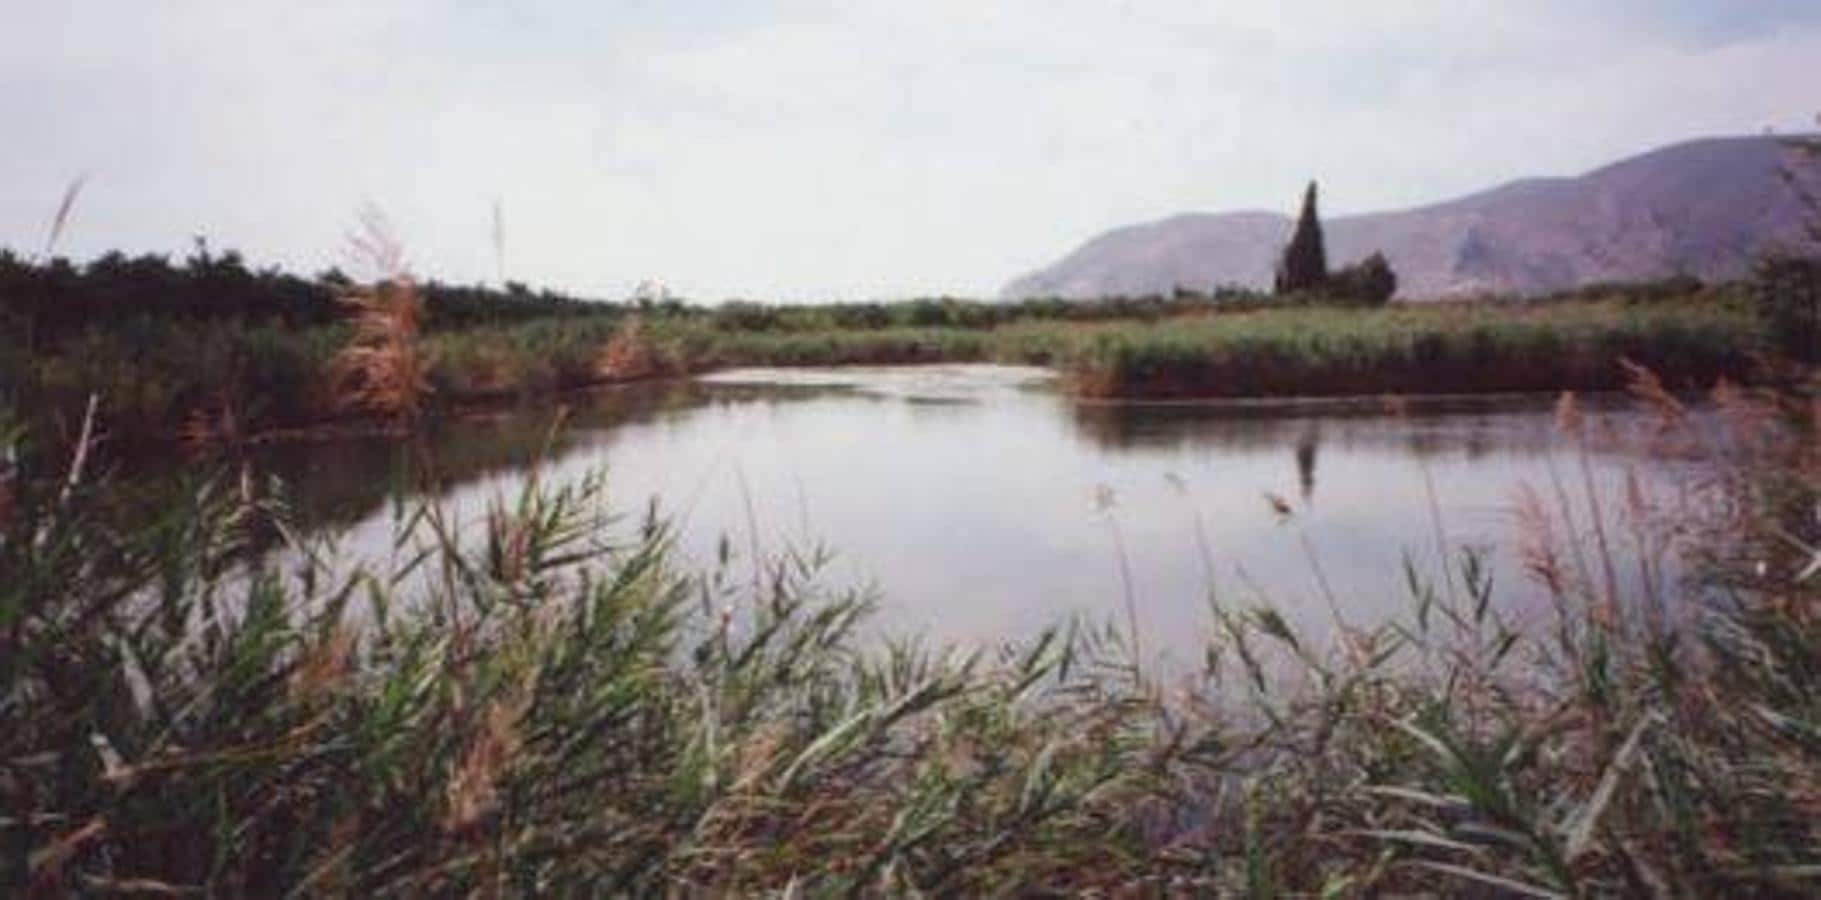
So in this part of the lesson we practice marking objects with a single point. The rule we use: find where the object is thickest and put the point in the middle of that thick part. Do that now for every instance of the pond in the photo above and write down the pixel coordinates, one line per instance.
(983, 503)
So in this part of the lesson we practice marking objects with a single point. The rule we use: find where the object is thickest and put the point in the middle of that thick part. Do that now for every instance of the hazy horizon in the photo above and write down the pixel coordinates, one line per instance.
(831, 151)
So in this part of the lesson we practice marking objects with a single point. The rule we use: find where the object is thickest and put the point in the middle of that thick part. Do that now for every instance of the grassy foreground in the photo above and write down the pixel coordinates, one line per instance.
(546, 704)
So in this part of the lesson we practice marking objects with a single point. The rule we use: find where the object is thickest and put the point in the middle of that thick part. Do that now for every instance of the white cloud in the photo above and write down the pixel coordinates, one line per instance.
(807, 150)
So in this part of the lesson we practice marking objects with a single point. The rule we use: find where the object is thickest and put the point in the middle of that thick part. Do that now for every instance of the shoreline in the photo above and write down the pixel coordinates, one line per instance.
(475, 408)
(264, 386)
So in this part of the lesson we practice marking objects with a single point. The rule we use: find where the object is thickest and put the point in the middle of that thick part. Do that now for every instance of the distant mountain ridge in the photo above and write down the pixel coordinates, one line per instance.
(1705, 208)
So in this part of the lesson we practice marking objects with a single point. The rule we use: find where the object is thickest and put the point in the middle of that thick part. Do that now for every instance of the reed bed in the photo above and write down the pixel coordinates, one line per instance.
(541, 701)
(266, 352)
(540, 704)
(1464, 348)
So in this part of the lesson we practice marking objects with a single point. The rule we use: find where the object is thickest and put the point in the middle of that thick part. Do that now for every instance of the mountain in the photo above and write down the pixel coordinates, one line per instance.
(1705, 208)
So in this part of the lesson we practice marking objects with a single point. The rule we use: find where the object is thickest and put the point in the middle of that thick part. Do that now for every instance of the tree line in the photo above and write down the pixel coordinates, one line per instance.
(45, 301)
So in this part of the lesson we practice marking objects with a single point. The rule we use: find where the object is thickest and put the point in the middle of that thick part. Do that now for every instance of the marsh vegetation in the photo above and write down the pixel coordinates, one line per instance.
(213, 345)
(548, 700)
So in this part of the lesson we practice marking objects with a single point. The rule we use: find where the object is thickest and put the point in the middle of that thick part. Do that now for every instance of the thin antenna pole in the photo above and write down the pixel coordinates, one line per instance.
(63, 212)
(499, 239)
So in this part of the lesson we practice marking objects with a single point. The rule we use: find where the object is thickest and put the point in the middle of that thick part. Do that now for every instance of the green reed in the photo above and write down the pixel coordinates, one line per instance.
(543, 701)
(164, 378)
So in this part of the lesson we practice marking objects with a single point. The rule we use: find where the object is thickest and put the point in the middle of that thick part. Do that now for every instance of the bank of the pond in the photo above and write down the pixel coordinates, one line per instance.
(1459, 349)
(159, 382)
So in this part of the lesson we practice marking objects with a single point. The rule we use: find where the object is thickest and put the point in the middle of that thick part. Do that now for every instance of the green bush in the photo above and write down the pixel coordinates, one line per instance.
(1369, 282)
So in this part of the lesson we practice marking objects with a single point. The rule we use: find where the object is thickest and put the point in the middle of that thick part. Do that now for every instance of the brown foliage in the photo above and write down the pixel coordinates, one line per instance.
(628, 355)
(381, 371)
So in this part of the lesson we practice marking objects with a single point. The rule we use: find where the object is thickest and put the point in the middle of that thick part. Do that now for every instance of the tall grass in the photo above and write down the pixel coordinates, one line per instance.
(164, 378)
(156, 376)
(536, 707)
(1438, 349)
(541, 701)
(1651, 743)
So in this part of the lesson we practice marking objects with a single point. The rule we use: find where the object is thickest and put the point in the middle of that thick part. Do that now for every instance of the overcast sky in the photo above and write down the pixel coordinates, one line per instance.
(843, 149)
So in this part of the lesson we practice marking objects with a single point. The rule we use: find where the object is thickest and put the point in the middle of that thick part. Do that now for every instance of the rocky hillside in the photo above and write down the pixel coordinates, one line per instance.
(1704, 208)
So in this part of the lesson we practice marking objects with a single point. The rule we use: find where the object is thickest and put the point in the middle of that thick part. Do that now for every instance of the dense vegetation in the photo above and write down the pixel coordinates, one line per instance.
(1411, 350)
(46, 302)
(551, 706)
(213, 348)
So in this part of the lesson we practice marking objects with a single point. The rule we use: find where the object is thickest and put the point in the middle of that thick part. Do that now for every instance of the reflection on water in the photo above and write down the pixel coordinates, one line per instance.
(966, 493)
(1305, 460)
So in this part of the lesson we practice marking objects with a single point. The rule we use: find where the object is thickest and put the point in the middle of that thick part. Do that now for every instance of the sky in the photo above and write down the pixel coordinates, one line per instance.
(854, 149)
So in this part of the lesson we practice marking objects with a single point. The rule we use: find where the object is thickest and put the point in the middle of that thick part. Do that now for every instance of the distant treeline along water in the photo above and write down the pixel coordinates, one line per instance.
(213, 346)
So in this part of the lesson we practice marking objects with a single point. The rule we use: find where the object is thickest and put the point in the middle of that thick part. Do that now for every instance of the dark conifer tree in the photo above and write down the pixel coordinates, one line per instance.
(1305, 263)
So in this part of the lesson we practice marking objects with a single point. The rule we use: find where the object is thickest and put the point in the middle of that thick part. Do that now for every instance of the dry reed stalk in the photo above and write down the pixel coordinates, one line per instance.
(381, 371)
(1572, 422)
(62, 219)
(1643, 384)
(628, 354)
(757, 756)
(1596, 513)
(1568, 416)
(1537, 544)
(472, 792)
(85, 441)
(47, 863)
(1642, 516)
(324, 666)
(1105, 502)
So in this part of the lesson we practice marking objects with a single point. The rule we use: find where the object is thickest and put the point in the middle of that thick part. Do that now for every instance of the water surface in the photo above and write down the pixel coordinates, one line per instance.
(983, 504)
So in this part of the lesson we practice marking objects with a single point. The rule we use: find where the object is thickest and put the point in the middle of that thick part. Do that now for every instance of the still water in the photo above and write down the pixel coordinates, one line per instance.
(983, 504)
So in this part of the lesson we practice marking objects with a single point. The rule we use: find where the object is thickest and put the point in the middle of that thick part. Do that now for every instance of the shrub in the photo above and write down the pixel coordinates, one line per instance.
(1369, 282)
(1787, 290)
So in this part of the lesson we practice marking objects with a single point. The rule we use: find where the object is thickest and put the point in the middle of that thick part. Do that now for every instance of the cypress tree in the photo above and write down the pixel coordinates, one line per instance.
(1305, 262)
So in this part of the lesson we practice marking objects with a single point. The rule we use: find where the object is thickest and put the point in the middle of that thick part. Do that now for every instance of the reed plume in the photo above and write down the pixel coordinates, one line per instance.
(62, 219)
(382, 370)
(628, 354)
